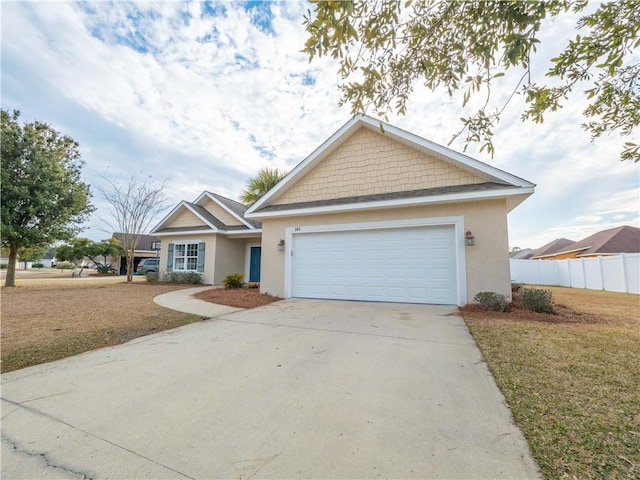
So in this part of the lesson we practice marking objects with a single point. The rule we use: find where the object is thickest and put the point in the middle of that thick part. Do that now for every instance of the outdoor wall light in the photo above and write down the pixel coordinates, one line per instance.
(281, 245)
(469, 239)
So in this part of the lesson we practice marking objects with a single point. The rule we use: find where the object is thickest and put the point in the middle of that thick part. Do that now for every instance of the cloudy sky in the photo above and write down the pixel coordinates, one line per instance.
(205, 94)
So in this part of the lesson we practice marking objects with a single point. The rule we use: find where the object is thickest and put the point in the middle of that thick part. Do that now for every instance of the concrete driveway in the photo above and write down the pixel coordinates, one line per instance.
(299, 388)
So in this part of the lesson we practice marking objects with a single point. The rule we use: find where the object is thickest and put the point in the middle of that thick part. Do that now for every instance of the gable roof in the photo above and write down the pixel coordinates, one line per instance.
(212, 223)
(551, 248)
(237, 209)
(145, 242)
(624, 239)
(523, 254)
(509, 185)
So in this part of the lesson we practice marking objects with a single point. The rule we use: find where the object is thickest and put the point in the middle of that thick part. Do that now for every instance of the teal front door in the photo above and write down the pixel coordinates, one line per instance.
(254, 264)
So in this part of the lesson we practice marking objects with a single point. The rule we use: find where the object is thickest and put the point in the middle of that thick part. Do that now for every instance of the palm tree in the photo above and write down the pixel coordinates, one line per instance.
(257, 186)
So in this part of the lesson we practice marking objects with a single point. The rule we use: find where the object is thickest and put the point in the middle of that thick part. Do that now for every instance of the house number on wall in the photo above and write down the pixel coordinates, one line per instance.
(296, 229)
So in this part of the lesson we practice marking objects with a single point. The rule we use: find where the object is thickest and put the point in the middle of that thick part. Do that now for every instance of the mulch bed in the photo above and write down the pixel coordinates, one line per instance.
(236, 297)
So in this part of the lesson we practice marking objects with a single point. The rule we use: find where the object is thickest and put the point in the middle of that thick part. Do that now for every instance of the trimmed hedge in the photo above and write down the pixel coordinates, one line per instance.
(536, 299)
(492, 301)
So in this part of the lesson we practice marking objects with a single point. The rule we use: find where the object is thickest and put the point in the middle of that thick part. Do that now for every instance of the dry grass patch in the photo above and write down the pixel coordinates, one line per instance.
(42, 322)
(236, 297)
(571, 380)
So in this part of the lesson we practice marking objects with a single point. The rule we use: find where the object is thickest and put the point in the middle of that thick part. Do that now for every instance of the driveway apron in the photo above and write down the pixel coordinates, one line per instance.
(298, 388)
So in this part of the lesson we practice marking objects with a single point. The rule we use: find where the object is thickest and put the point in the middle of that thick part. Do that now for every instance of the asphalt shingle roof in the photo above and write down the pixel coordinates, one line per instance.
(476, 187)
(552, 247)
(624, 239)
(236, 207)
(145, 242)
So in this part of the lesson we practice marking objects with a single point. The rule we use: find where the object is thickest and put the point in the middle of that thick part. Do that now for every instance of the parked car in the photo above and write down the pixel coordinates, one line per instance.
(147, 265)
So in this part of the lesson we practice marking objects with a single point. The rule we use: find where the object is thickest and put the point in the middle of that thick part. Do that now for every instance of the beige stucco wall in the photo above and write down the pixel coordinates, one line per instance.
(223, 255)
(487, 262)
(220, 213)
(185, 219)
(230, 257)
(370, 162)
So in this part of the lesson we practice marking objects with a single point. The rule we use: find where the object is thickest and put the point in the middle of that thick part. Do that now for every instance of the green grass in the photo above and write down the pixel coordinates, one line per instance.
(573, 388)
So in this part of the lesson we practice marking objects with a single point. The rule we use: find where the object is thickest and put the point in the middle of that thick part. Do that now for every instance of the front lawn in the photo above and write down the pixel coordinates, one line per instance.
(572, 380)
(46, 321)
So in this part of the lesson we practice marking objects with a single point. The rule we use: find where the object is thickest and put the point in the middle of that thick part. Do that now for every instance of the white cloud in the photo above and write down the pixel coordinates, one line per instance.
(207, 98)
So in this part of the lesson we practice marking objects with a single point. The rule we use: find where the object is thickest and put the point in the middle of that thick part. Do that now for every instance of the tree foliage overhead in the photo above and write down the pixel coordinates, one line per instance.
(386, 47)
(258, 186)
(43, 196)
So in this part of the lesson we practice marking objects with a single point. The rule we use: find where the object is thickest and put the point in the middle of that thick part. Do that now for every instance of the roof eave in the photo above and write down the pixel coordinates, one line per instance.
(401, 202)
(554, 254)
(186, 232)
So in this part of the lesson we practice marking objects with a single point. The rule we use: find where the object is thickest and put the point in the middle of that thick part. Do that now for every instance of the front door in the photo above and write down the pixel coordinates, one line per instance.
(254, 264)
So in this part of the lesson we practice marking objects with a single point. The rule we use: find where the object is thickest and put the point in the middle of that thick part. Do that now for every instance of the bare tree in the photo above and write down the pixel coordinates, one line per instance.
(134, 205)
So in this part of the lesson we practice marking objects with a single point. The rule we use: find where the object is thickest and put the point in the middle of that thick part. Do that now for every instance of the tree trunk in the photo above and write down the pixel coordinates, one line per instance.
(10, 281)
(130, 265)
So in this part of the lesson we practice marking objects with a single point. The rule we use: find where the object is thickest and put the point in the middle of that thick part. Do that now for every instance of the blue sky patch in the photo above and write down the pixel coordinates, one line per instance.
(213, 9)
(129, 32)
(261, 14)
(244, 62)
(308, 79)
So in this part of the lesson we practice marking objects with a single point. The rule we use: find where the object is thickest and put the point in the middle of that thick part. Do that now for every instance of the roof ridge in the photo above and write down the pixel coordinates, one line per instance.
(222, 197)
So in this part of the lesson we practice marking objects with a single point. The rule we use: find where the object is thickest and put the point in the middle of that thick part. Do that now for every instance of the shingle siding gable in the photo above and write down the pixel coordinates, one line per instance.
(370, 163)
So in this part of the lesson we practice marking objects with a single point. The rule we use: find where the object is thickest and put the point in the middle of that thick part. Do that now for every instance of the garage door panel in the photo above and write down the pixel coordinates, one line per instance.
(408, 264)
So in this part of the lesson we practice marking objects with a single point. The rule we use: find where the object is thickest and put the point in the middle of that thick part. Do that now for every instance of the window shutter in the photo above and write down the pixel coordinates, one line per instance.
(170, 258)
(201, 257)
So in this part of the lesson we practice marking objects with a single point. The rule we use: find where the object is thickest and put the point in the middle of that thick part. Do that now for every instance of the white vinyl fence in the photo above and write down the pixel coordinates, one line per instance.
(617, 273)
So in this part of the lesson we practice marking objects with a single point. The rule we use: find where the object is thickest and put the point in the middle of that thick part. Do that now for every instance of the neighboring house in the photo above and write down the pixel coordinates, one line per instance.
(367, 216)
(551, 248)
(148, 246)
(210, 235)
(522, 254)
(614, 241)
(49, 259)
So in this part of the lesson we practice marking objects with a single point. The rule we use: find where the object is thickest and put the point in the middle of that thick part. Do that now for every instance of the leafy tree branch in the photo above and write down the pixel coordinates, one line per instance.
(386, 47)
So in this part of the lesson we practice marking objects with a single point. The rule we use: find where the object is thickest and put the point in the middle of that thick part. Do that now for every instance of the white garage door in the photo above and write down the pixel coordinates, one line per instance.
(409, 264)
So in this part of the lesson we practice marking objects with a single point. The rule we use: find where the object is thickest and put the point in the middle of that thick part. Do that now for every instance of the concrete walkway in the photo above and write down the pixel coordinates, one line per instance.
(182, 301)
(294, 389)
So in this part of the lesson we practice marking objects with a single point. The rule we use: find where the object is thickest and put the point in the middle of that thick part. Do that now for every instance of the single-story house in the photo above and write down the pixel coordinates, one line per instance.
(613, 241)
(374, 213)
(49, 258)
(210, 235)
(522, 254)
(548, 250)
(148, 246)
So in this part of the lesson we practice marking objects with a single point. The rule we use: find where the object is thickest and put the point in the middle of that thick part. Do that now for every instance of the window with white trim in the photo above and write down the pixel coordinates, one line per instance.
(185, 257)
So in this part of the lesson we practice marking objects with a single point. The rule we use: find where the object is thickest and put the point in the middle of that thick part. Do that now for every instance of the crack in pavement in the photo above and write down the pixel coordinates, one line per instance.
(43, 455)
(258, 464)
(332, 330)
(35, 411)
